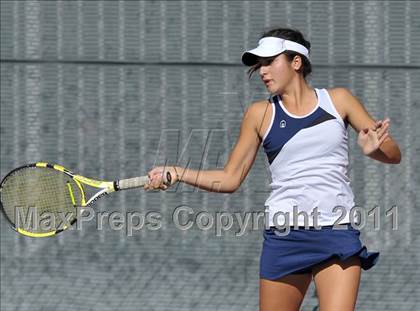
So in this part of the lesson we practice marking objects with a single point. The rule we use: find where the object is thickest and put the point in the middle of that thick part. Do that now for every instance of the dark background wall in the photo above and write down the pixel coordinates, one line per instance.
(111, 88)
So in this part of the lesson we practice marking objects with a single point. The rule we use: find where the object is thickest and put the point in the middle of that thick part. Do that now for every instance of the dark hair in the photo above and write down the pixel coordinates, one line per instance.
(292, 35)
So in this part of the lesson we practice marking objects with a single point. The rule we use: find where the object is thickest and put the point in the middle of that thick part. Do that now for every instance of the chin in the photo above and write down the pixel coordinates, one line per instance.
(270, 87)
(274, 90)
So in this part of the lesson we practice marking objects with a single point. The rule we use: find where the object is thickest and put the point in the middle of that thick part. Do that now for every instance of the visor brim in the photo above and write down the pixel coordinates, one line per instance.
(250, 58)
(272, 46)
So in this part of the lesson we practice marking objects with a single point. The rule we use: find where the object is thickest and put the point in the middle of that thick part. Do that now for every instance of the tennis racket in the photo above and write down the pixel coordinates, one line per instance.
(36, 197)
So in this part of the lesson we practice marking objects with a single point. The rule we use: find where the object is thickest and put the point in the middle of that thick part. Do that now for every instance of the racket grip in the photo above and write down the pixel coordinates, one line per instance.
(131, 183)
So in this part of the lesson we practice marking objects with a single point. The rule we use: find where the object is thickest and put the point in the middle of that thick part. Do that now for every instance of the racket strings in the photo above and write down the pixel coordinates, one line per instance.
(40, 193)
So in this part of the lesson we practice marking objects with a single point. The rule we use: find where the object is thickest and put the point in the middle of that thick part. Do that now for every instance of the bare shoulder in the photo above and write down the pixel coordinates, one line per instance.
(259, 106)
(342, 99)
(258, 110)
(259, 115)
(340, 91)
(341, 94)
(351, 108)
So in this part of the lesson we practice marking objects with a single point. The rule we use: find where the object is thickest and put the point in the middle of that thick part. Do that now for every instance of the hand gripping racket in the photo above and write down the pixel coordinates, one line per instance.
(38, 198)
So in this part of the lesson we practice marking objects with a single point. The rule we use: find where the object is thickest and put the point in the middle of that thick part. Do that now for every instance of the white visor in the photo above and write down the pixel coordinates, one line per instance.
(271, 46)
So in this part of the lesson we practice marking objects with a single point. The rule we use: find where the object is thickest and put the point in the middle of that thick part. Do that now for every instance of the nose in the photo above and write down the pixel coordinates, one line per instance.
(263, 71)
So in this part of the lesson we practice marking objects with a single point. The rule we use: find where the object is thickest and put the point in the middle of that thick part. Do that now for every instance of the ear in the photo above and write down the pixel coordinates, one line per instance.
(297, 62)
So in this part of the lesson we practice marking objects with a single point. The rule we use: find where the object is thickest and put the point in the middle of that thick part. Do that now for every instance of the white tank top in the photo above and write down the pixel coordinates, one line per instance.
(308, 158)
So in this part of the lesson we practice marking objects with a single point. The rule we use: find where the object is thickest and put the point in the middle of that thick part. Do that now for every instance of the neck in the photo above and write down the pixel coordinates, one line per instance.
(298, 95)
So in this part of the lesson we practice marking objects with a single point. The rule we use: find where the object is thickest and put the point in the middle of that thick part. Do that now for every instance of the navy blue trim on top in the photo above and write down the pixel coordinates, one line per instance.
(284, 127)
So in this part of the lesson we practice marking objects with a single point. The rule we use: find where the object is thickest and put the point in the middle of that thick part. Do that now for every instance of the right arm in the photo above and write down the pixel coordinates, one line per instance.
(241, 158)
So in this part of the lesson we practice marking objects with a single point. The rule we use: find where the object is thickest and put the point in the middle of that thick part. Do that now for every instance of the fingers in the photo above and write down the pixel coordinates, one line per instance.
(156, 182)
(155, 171)
(382, 139)
(157, 179)
(381, 123)
(382, 131)
(377, 134)
(379, 129)
(153, 175)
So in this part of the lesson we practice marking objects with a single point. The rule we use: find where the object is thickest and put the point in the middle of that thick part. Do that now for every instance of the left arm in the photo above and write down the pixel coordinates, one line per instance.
(373, 137)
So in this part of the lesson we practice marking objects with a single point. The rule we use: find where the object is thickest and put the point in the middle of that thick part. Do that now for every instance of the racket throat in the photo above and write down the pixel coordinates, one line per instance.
(97, 196)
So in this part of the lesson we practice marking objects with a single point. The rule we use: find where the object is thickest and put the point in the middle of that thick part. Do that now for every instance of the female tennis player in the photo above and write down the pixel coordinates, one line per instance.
(303, 131)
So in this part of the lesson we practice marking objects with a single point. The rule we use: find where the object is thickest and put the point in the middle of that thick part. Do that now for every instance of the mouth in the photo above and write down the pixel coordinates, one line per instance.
(267, 82)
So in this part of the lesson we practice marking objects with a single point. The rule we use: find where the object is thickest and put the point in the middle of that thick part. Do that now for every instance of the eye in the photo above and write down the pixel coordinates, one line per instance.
(266, 61)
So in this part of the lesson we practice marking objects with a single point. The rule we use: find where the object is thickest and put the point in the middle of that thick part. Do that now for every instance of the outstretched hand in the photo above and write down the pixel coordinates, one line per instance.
(369, 139)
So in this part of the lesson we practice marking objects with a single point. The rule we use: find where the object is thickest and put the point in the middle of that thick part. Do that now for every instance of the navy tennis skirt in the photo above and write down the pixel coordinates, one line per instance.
(301, 249)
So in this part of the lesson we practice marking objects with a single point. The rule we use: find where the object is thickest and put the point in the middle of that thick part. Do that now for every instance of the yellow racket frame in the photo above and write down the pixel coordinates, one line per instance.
(106, 186)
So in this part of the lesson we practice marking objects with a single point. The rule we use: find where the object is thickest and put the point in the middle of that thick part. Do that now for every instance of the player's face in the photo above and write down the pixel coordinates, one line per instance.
(276, 72)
